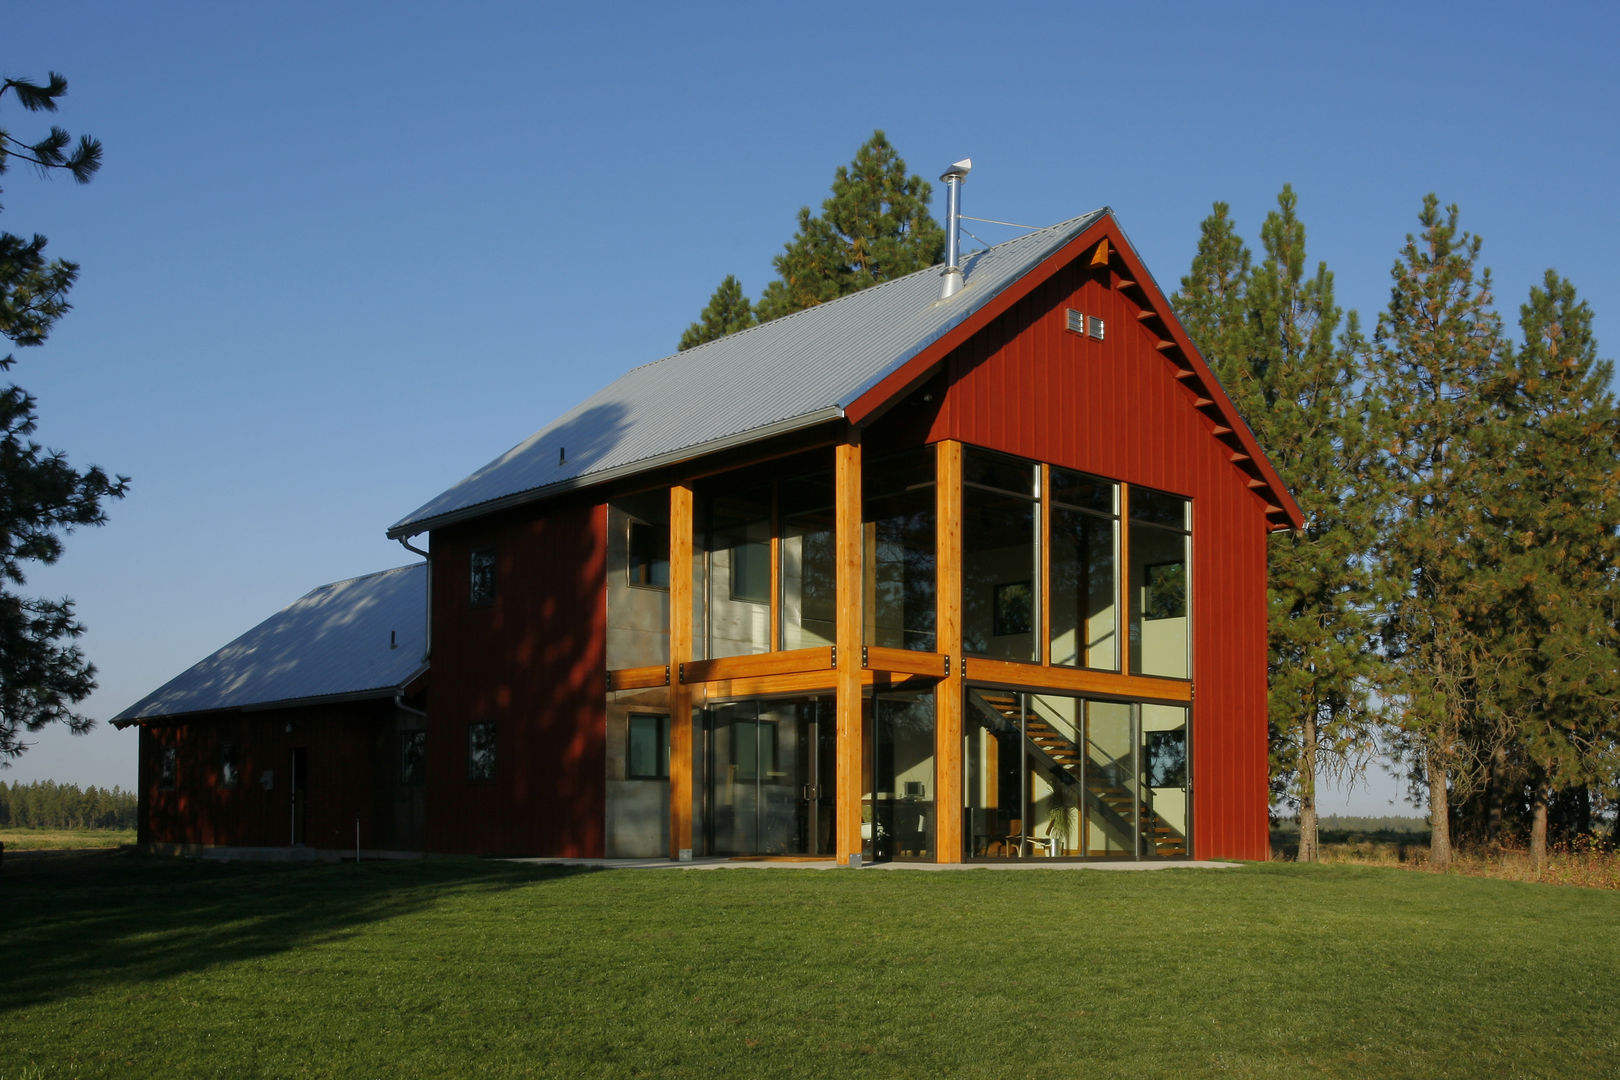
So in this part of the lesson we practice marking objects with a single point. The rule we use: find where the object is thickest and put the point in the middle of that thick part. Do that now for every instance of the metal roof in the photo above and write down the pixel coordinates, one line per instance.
(364, 637)
(784, 375)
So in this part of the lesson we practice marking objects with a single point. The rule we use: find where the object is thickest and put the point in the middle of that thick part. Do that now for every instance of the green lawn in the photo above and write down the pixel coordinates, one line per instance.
(64, 839)
(118, 965)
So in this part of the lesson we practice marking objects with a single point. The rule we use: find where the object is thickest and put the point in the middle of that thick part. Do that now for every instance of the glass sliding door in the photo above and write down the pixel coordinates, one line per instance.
(769, 777)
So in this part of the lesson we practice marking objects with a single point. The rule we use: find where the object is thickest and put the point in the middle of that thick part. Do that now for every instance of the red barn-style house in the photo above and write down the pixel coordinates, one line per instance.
(938, 574)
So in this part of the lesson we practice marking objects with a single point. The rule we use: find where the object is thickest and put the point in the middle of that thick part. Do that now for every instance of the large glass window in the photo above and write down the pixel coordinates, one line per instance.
(1049, 775)
(897, 818)
(809, 563)
(734, 536)
(1160, 583)
(638, 580)
(481, 586)
(1084, 569)
(1001, 556)
(900, 552)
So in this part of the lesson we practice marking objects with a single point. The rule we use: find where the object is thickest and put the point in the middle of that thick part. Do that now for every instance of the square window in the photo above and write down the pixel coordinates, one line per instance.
(227, 765)
(649, 555)
(481, 589)
(412, 757)
(480, 751)
(648, 757)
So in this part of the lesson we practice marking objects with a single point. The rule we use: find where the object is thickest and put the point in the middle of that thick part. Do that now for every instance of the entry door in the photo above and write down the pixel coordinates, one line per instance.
(766, 792)
(299, 785)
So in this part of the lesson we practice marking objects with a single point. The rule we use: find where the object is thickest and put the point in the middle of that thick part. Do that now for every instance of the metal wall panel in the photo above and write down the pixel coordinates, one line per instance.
(532, 662)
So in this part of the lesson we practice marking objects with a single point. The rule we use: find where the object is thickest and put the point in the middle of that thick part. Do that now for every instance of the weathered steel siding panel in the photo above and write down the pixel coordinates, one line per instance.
(533, 664)
(1029, 386)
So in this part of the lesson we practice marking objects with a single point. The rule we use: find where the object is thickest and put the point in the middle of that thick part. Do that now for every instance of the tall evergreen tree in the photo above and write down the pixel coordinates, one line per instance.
(43, 674)
(874, 227)
(1436, 353)
(1556, 525)
(728, 311)
(1270, 333)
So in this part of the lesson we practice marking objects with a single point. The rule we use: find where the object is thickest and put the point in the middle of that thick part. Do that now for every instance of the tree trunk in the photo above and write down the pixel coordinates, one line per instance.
(1538, 830)
(1309, 850)
(1439, 818)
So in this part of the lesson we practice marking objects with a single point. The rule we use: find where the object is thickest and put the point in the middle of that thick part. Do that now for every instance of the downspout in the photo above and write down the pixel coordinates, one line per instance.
(427, 636)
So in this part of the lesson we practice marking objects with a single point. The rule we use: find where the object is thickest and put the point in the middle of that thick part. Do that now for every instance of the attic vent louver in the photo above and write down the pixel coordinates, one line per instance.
(1095, 328)
(1077, 321)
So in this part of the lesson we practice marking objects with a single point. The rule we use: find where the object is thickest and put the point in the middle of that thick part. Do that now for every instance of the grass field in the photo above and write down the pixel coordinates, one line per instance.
(64, 839)
(118, 965)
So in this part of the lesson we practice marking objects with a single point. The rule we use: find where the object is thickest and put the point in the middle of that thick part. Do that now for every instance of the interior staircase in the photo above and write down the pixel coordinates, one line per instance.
(1109, 802)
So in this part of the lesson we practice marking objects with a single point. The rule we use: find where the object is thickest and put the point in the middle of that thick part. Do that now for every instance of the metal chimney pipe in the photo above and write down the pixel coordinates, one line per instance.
(952, 179)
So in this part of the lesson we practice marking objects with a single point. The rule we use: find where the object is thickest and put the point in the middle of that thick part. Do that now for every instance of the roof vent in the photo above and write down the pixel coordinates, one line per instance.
(952, 179)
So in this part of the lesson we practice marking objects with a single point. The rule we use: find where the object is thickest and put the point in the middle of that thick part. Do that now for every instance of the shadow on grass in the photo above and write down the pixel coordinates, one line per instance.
(93, 919)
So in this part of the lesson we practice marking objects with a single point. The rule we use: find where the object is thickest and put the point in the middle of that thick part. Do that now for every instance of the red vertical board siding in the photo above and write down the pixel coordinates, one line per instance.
(533, 664)
(351, 773)
(1028, 386)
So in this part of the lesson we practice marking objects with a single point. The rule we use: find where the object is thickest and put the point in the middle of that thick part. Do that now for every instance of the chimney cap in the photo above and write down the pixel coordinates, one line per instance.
(958, 171)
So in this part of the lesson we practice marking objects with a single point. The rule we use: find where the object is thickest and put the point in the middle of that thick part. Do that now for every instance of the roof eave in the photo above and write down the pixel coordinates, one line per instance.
(409, 528)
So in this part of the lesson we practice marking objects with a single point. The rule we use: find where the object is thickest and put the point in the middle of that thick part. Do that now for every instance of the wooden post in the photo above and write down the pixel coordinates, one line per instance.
(948, 627)
(680, 651)
(849, 584)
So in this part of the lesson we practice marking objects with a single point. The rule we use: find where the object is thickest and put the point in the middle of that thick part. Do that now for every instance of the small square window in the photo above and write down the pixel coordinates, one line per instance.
(648, 758)
(481, 589)
(649, 555)
(227, 765)
(166, 767)
(480, 751)
(412, 757)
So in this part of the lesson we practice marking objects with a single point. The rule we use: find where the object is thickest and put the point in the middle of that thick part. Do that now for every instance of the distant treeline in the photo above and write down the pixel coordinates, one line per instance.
(45, 804)
(1350, 824)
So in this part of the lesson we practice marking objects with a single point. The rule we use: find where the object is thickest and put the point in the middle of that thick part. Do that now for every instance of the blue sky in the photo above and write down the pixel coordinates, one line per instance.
(340, 255)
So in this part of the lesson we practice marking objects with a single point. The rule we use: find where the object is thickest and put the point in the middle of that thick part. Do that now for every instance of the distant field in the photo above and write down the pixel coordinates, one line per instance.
(119, 965)
(64, 839)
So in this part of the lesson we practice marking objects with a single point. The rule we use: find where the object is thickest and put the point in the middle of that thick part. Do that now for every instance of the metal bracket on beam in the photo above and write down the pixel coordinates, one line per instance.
(835, 656)
(666, 674)
(947, 665)
(865, 660)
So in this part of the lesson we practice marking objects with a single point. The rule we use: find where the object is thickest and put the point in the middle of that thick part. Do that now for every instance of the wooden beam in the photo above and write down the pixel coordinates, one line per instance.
(1186, 373)
(847, 637)
(638, 678)
(1100, 256)
(948, 640)
(905, 661)
(680, 652)
(1165, 346)
(803, 682)
(1076, 680)
(789, 662)
(1122, 617)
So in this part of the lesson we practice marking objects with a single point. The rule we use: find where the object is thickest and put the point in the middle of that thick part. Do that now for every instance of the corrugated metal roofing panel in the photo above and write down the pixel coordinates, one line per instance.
(367, 634)
(792, 372)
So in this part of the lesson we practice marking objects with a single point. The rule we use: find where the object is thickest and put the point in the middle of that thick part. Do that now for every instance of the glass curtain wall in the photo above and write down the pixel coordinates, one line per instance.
(808, 561)
(900, 558)
(1084, 569)
(897, 819)
(1050, 775)
(1161, 585)
(1001, 556)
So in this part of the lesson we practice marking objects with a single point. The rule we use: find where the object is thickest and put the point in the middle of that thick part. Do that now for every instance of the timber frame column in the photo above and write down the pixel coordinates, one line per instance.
(680, 651)
(948, 640)
(849, 585)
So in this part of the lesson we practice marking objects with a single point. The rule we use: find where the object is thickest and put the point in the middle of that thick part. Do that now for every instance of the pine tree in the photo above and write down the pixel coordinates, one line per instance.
(1269, 331)
(43, 674)
(1436, 352)
(728, 311)
(874, 227)
(1557, 527)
